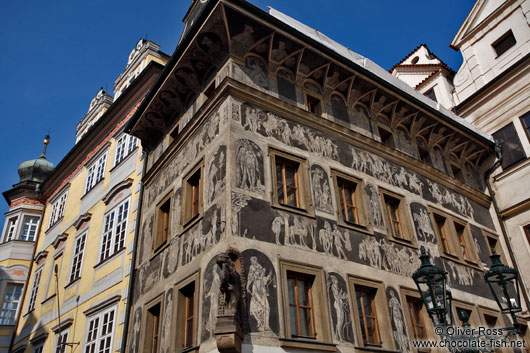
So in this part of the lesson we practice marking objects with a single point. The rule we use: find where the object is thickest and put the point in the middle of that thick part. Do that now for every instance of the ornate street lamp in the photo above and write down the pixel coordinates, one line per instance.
(504, 284)
(431, 283)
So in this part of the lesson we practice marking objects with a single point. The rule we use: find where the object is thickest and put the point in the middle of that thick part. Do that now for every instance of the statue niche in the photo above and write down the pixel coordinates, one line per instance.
(228, 331)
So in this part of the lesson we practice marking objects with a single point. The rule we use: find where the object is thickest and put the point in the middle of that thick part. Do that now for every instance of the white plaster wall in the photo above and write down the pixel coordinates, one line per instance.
(520, 245)
(412, 78)
(513, 187)
(443, 90)
(480, 62)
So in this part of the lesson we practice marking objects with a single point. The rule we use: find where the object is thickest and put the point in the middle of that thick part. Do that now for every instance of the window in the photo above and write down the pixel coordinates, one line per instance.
(11, 227)
(99, 332)
(301, 311)
(396, 216)
(495, 244)
(442, 229)
(152, 329)
(313, 105)
(365, 299)
(512, 149)
(527, 233)
(61, 341)
(454, 237)
(10, 304)
(114, 230)
(192, 201)
(430, 94)
(423, 151)
(525, 121)
(290, 178)
(34, 289)
(58, 209)
(288, 188)
(457, 173)
(125, 144)
(186, 316)
(504, 43)
(386, 136)
(372, 322)
(469, 309)
(38, 348)
(77, 260)
(96, 172)
(305, 308)
(416, 315)
(461, 236)
(350, 195)
(29, 229)
(162, 222)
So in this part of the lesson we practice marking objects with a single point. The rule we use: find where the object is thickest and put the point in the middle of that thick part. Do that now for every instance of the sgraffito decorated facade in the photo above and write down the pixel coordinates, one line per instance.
(289, 186)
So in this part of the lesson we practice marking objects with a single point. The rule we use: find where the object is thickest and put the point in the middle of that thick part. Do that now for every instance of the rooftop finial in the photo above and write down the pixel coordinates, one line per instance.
(46, 143)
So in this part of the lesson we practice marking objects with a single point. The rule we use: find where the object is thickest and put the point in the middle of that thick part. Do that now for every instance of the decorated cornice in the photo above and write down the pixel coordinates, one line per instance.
(65, 323)
(82, 219)
(252, 40)
(25, 200)
(116, 189)
(41, 255)
(40, 337)
(60, 238)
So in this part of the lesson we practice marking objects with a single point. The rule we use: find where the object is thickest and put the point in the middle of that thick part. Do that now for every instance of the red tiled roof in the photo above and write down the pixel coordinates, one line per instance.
(428, 78)
(430, 53)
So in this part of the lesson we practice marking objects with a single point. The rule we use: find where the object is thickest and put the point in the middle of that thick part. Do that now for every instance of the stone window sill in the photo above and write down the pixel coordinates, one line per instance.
(307, 344)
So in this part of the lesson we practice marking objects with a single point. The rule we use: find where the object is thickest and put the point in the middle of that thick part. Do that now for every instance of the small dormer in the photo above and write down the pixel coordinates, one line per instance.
(143, 53)
(98, 106)
(425, 72)
(193, 13)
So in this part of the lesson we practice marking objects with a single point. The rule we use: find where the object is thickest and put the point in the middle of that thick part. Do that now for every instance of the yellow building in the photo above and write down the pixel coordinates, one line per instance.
(18, 240)
(78, 285)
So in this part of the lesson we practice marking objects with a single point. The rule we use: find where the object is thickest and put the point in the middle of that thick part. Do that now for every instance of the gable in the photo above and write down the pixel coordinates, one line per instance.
(480, 12)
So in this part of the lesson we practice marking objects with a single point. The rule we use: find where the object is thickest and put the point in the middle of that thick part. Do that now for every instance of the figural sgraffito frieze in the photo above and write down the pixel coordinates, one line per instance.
(387, 256)
(397, 320)
(321, 189)
(249, 166)
(202, 236)
(339, 308)
(296, 135)
(216, 174)
(188, 155)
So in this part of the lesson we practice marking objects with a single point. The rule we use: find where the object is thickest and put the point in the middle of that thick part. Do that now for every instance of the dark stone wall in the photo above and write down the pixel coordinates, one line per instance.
(339, 308)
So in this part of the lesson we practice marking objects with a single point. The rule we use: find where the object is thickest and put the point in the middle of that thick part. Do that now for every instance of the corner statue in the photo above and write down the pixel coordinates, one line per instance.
(230, 287)
(228, 332)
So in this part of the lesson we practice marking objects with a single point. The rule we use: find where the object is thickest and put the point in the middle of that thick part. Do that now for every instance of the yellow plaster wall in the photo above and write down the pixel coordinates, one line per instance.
(89, 274)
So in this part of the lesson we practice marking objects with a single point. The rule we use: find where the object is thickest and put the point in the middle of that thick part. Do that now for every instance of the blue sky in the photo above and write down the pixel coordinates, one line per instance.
(55, 55)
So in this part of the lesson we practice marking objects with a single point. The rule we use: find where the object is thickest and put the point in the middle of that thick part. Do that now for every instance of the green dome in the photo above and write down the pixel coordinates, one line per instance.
(36, 170)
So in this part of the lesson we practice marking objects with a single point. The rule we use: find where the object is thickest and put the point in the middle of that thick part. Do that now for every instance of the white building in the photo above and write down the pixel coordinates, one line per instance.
(491, 90)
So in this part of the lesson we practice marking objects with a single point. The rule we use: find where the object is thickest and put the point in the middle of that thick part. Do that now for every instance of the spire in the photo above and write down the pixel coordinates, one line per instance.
(36, 170)
(46, 143)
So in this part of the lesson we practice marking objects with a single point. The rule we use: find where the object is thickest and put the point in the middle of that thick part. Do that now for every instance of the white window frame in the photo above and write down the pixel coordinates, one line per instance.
(77, 259)
(34, 289)
(114, 230)
(64, 338)
(125, 144)
(96, 325)
(6, 320)
(38, 348)
(96, 172)
(31, 227)
(11, 228)
(57, 210)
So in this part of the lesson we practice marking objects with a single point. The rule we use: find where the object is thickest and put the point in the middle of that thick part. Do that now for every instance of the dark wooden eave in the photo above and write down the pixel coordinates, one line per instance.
(311, 65)
(97, 132)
